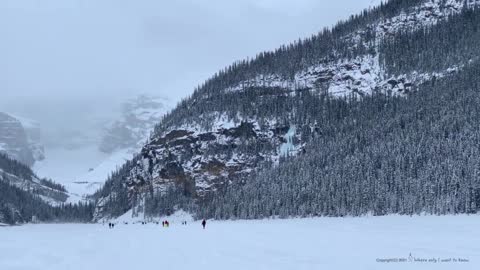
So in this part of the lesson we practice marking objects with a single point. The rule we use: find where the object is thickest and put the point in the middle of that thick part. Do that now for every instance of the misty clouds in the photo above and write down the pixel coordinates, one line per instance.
(62, 59)
(84, 48)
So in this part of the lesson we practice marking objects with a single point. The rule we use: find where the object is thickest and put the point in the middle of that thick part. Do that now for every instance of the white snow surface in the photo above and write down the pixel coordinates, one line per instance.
(176, 218)
(316, 243)
(72, 168)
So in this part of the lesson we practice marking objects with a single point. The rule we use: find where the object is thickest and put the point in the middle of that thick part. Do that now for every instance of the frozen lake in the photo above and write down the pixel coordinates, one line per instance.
(444, 242)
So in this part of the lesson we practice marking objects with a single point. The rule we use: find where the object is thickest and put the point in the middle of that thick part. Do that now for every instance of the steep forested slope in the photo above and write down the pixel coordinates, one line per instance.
(24, 196)
(384, 155)
(17, 174)
(325, 126)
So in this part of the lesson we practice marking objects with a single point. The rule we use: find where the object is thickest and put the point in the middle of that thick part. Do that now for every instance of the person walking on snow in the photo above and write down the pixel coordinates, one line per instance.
(204, 223)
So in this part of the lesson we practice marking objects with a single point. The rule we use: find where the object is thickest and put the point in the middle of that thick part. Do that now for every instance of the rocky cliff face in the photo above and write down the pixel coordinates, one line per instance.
(202, 162)
(33, 131)
(131, 131)
(14, 140)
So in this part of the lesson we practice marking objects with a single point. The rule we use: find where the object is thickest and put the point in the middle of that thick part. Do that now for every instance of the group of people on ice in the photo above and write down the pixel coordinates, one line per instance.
(165, 224)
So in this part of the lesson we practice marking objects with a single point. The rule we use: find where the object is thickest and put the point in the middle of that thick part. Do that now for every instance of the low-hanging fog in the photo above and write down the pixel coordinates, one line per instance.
(69, 64)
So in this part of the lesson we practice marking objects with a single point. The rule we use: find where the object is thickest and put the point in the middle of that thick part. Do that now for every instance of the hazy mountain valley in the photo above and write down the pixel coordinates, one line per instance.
(368, 125)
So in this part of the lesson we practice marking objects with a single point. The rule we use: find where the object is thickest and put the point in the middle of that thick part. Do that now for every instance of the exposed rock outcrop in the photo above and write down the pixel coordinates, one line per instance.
(14, 141)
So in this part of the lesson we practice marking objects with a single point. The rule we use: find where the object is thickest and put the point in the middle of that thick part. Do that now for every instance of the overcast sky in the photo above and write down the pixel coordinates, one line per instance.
(74, 52)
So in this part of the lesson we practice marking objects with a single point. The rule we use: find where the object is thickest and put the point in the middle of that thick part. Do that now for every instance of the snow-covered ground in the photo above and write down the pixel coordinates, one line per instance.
(319, 243)
(64, 165)
(176, 218)
(82, 171)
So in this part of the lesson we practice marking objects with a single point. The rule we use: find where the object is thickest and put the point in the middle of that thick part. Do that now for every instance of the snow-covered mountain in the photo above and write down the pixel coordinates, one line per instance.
(131, 131)
(254, 113)
(365, 73)
(20, 138)
(33, 130)
(84, 167)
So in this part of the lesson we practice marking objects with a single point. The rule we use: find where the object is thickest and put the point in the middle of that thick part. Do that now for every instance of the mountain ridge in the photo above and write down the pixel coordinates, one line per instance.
(281, 97)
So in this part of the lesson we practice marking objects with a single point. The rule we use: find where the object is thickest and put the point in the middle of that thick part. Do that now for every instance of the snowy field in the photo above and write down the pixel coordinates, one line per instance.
(320, 243)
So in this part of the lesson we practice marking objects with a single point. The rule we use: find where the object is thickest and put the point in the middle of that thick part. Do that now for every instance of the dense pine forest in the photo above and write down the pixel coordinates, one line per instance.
(18, 206)
(379, 155)
(448, 44)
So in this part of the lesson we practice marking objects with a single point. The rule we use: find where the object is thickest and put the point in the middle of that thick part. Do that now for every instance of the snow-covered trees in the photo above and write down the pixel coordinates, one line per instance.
(19, 205)
(358, 153)
(388, 155)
